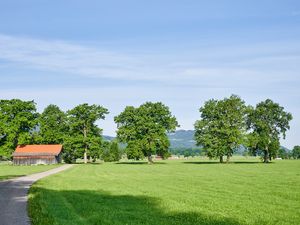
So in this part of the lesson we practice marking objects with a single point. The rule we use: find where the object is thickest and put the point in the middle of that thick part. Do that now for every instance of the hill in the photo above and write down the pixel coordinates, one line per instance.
(178, 139)
(182, 139)
(108, 138)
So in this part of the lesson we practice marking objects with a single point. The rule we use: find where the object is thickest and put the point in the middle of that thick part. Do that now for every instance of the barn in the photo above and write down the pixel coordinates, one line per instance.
(37, 154)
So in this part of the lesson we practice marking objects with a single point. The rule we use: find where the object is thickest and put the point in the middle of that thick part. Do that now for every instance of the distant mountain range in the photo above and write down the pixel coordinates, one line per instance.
(182, 139)
(185, 139)
(108, 138)
(178, 139)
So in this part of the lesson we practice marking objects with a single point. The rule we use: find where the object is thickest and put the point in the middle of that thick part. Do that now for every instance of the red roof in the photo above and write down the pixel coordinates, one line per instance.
(38, 149)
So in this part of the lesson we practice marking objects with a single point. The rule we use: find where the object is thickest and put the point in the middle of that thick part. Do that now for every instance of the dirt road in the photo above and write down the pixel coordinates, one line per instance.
(13, 197)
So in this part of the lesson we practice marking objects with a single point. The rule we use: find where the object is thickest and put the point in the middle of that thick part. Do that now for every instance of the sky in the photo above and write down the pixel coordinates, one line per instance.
(182, 53)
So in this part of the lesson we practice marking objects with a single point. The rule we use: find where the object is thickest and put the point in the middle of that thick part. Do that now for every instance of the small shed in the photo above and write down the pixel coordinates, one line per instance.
(37, 154)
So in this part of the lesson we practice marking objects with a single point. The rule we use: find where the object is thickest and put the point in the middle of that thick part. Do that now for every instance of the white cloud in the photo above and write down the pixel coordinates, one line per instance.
(64, 57)
(205, 67)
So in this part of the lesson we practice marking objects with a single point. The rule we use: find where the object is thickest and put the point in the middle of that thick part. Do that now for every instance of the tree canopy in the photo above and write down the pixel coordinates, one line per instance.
(18, 119)
(266, 122)
(145, 128)
(222, 126)
(83, 129)
(52, 126)
(111, 152)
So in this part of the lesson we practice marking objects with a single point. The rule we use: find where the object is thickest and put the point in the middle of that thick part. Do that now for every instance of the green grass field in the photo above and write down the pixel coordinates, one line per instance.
(10, 171)
(170, 192)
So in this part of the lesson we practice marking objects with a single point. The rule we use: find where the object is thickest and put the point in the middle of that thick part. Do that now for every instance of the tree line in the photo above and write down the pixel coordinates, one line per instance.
(228, 123)
(76, 129)
(223, 126)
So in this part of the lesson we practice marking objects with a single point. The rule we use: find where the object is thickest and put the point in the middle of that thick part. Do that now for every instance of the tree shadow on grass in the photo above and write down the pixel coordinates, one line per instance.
(205, 162)
(132, 163)
(98, 207)
(139, 163)
(234, 162)
(242, 162)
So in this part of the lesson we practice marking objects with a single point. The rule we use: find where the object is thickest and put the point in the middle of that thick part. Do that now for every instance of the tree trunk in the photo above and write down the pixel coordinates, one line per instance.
(85, 156)
(150, 161)
(85, 149)
(266, 156)
(221, 159)
(227, 158)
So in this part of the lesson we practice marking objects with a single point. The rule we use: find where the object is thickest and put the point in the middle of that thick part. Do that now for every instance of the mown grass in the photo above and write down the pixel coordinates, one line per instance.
(171, 192)
(11, 171)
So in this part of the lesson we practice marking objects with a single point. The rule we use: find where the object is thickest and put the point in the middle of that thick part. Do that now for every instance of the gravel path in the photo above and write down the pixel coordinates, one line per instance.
(13, 197)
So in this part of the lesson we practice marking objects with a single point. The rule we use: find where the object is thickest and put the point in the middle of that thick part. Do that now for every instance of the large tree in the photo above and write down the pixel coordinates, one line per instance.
(52, 126)
(84, 133)
(18, 119)
(266, 123)
(222, 126)
(145, 128)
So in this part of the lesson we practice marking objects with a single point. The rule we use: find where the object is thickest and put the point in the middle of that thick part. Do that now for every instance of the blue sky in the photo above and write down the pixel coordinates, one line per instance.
(118, 53)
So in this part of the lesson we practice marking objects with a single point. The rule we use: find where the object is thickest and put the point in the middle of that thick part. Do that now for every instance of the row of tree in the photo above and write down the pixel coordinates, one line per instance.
(143, 129)
(228, 123)
(76, 129)
(187, 152)
(286, 154)
(224, 125)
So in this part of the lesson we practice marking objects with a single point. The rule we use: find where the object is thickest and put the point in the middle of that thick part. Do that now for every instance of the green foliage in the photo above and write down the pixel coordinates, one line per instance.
(73, 148)
(105, 154)
(82, 118)
(76, 130)
(53, 126)
(134, 150)
(115, 151)
(284, 154)
(18, 119)
(222, 126)
(187, 153)
(266, 123)
(95, 147)
(145, 128)
(85, 135)
(296, 152)
(192, 151)
(112, 153)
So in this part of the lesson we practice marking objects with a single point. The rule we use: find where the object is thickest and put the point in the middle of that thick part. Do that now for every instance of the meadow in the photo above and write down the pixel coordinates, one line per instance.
(8, 171)
(179, 192)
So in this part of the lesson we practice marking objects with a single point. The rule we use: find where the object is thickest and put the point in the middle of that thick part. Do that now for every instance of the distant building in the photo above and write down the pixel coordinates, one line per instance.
(173, 157)
(158, 157)
(37, 154)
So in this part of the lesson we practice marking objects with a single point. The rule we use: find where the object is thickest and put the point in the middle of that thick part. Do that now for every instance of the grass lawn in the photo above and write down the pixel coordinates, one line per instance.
(179, 192)
(10, 171)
